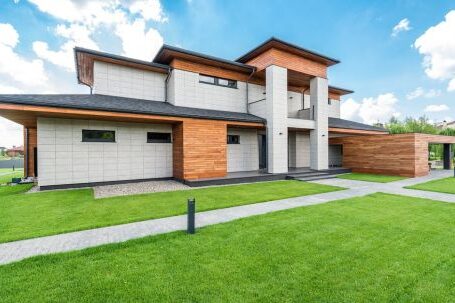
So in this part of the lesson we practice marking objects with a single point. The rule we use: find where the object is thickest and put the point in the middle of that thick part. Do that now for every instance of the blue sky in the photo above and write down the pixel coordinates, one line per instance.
(406, 73)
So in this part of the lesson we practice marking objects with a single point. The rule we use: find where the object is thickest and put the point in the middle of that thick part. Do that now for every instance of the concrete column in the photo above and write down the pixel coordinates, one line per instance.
(277, 132)
(447, 156)
(319, 137)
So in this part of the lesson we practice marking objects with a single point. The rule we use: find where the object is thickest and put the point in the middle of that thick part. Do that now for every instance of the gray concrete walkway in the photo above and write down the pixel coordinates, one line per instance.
(15, 251)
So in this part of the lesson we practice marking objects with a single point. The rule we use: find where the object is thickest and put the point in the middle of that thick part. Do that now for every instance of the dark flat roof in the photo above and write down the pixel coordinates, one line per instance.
(347, 124)
(342, 91)
(275, 41)
(126, 105)
(117, 57)
(161, 58)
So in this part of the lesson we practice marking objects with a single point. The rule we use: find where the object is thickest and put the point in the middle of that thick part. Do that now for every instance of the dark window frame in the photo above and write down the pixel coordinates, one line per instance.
(167, 139)
(231, 141)
(100, 139)
(216, 81)
(330, 101)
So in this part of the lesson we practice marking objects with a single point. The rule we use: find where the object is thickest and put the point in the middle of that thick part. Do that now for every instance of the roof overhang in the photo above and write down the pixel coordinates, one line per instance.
(168, 53)
(349, 131)
(287, 47)
(84, 59)
(27, 115)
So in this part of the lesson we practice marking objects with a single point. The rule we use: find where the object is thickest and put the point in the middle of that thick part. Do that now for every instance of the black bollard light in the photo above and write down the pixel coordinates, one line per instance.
(191, 216)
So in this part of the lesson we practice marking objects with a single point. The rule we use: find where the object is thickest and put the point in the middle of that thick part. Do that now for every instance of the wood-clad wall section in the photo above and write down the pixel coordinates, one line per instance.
(402, 155)
(29, 151)
(200, 149)
(290, 61)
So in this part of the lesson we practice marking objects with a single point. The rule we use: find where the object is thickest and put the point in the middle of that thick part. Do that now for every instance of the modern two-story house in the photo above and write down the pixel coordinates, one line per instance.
(191, 116)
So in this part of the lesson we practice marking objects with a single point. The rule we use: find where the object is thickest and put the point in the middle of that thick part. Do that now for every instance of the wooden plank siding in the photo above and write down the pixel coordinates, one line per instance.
(29, 167)
(402, 155)
(200, 149)
(290, 61)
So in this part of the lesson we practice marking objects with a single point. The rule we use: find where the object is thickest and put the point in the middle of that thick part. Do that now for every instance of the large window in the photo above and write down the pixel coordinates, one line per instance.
(158, 137)
(91, 135)
(233, 139)
(217, 81)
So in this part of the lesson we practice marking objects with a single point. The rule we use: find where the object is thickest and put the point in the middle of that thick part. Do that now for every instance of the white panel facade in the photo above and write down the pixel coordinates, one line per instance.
(257, 100)
(188, 91)
(243, 156)
(334, 109)
(277, 111)
(64, 159)
(299, 149)
(117, 80)
(319, 137)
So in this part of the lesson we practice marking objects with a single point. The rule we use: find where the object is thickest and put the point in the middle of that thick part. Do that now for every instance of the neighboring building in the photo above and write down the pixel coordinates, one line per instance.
(445, 124)
(192, 116)
(15, 151)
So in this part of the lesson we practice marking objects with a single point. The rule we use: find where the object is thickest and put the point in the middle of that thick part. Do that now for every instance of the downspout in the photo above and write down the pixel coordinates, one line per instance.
(166, 81)
(247, 90)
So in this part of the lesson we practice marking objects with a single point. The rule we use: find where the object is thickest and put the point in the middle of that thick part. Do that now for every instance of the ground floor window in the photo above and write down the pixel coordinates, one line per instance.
(153, 137)
(92, 135)
(233, 139)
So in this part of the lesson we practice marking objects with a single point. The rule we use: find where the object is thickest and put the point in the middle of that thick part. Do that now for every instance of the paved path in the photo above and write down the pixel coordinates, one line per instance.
(18, 250)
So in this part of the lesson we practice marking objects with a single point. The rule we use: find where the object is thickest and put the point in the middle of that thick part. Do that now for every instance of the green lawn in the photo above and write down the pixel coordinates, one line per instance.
(31, 215)
(446, 185)
(370, 177)
(6, 176)
(378, 248)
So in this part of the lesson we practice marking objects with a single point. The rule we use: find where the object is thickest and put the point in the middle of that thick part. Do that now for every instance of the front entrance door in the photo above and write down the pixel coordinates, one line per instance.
(262, 139)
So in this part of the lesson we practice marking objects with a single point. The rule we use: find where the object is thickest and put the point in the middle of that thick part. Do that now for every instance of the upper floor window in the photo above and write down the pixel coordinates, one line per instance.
(233, 139)
(330, 101)
(158, 137)
(91, 135)
(217, 81)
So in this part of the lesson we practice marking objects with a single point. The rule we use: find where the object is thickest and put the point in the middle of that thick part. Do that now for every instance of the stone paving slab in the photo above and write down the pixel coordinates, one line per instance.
(18, 250)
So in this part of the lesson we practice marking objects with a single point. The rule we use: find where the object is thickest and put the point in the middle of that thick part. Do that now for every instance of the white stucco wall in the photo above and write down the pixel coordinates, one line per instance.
(299, 149)
(64, 159)
(334, 109)
(186, 90)
(116, 80)
(243, 156)
(277, 111)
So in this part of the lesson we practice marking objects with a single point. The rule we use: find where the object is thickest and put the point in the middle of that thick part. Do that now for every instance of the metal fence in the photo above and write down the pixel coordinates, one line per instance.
(16, 163)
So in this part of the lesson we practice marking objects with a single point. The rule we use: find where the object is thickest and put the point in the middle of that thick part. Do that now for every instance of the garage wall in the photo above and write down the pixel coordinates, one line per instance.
(64, 159)
(403, 155)
(243, 156)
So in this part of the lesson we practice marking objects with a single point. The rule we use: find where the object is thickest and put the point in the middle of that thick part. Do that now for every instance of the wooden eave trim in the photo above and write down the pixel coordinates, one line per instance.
(49, 111)
(356, 131)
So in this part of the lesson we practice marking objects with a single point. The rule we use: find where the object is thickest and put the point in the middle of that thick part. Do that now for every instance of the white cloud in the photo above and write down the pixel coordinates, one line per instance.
(82, 18)
(137, 41)
(19, 69)
(77, 35)
(436, 108)
(402, 26)
(6, 89)
(451, 86)
(370, 110)
(438, 48)
(420, 92)
(10, 133)
(149, 10)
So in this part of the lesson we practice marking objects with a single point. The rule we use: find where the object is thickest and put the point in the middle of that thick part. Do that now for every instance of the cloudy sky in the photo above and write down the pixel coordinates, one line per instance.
(398, 56)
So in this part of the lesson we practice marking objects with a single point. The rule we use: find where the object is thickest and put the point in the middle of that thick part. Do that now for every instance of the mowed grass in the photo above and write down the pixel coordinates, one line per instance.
(371, 177)
(6, 176)
(446, 185)
(25, 216)
(378, 248)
